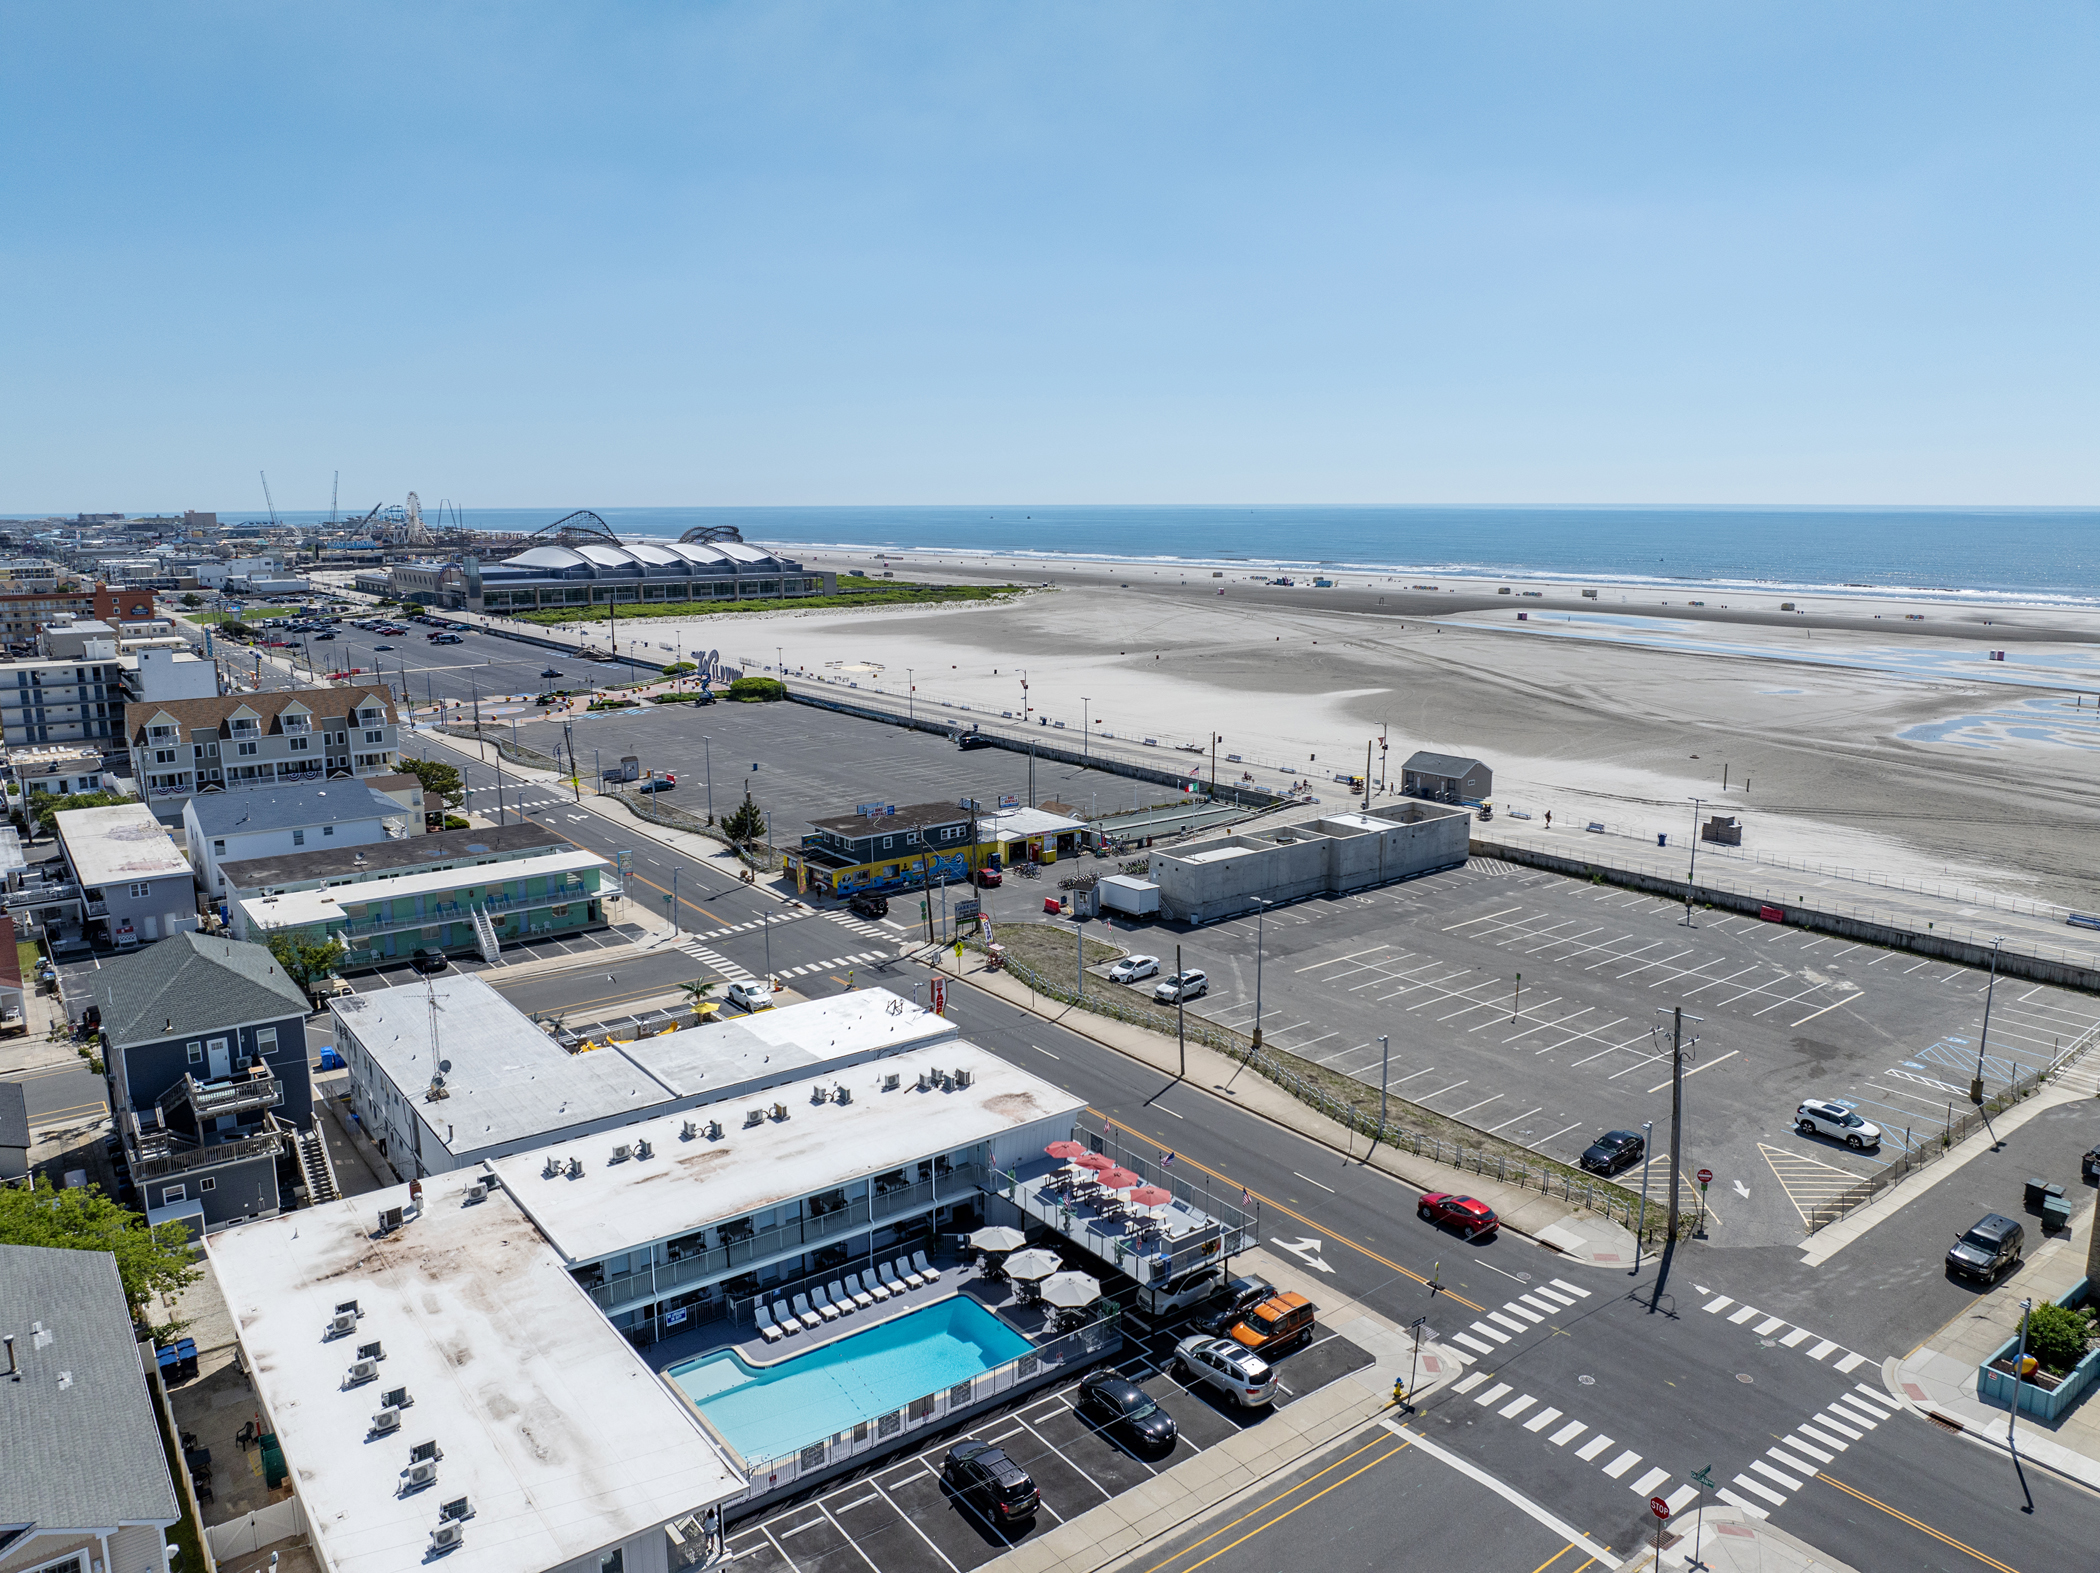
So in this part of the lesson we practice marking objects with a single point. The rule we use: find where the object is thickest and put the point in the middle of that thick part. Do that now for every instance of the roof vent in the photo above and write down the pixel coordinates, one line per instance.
(421, 1475)
(396, 1398)
(964, 1076)
(819, 1094)
(339, 1324)
(390, 1219)
(780, 1111)
(445, 1538)
(925, 1081)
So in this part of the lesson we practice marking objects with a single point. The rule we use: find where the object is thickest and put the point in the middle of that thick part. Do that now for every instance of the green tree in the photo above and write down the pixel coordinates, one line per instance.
(681, 669)
(2057, 1337)
(443, 779)
(697, 992)
(149, 1261)
(48, 808)
(745, 823)
(754, 690)
(192, 598)
(306, 961)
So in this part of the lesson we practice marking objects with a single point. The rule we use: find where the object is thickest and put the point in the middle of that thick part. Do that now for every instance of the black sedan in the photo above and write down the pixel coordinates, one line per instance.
(1613, 1151)
(1112, 1402)
(550, 672)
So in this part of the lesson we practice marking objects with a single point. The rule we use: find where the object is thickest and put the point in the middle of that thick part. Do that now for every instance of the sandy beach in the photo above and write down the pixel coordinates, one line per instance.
(1870, 733)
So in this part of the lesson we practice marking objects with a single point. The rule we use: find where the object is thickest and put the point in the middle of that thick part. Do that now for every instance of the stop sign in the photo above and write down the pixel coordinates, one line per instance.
(1706, 1176)
(1658, 1507)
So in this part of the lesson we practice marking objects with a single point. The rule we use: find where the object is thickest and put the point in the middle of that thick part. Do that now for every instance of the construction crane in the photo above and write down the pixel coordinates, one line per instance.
(335, 491)
(267, 498)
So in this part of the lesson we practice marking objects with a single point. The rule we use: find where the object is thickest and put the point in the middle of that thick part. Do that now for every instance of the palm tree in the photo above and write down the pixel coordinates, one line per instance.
(697, 991)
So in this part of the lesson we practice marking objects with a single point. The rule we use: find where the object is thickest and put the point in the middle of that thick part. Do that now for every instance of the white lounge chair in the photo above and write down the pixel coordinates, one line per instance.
(784, 1319)
(804, 1314)
(890, 1280)
(821, 1299)
(859, 1296)
(764, 1319)
(835, 1292)
(911, 1279)
(927, 1270)
(871, 1285)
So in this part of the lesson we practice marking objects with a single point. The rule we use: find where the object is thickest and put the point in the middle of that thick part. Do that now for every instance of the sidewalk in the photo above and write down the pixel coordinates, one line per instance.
(1727, 1540)
(1938, 1378)
(1124, 1525)
(1572, 1232)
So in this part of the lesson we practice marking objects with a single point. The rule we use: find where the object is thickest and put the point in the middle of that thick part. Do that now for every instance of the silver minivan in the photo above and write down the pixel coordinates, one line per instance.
(1180, 986)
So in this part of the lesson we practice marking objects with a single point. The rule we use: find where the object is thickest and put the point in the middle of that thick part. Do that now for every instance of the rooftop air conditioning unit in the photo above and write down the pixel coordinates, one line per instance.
(642, 1149)
(446, 1536)
(575, 1168)
(390, 1218)
(342, 1322)
(925, 1081)
(422, 1474)
(396, 1398)
(714, 1130)
(361, 1371)
(892, 1082)
(842, 1093)
(780, 1111)
(350, 1306)
(818, 1095)
(963, 1078)
(388, 1419)
(552, 1169)
(754, 1117)
(476, 1193)
(493, 1182)
(688, 1131)
(623, 1152)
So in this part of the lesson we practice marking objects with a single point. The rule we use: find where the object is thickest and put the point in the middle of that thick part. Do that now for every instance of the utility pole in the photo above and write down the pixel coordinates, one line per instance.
(1385, 1071)
(1976, 1086)
(1180, 1021)
(1086, 734)
(1641, 1224)
(1079, 953)
(911, 697)
(1261, 911)
(708, 744)
(1367, 776)
(1693, 874)
(568, 734)
(1677, 1020)
(1215, 740)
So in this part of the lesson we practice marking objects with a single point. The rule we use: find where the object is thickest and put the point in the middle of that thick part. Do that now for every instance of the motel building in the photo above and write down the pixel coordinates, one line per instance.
(633, 1258)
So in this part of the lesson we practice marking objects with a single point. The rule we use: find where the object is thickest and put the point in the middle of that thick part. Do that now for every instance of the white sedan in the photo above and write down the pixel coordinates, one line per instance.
(1131, 968)
(752, 996)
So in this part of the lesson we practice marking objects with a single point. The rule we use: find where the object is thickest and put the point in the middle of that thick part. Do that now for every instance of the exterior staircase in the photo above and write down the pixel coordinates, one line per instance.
(315, 1164)
(485, 932)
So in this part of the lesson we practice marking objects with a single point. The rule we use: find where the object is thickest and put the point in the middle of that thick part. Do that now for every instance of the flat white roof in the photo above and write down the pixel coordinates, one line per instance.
(123, 842)
(296, 908)
(702, 1062)
(614, 1207)
(560, 1437)
(1016, 822)
(1220, 854)
(505, 1080)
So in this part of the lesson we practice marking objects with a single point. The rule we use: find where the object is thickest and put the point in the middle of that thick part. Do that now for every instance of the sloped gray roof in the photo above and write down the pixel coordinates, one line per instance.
(1440, 764)
(191, 983)
(93, 1455)
(14, 1115)
(289, 808)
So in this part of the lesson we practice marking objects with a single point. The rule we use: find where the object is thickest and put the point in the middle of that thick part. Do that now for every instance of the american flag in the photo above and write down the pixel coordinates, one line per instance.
(1246, 1197)
(1165, 1158)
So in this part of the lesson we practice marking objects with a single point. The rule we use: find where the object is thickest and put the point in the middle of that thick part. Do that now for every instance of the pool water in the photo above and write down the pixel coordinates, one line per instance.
(765, 1411)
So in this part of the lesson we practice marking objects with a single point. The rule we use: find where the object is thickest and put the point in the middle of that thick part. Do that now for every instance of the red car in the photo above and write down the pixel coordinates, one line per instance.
(1476, 1218)
(987, 878)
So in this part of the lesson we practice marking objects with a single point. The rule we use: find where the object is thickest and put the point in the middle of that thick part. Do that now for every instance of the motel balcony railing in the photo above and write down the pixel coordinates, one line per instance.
(463, 911)
(802, 1234)
(1159, 1259)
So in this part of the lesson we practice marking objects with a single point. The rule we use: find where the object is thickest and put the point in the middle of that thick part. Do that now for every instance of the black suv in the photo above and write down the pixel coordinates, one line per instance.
(868, 906)
(1613, 1151)
(1235, 1300)
(1990, 1249)
(991, 1482)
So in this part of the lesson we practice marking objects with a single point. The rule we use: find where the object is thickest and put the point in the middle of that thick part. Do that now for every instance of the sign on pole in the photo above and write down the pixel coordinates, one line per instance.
(940, 996)
(1706, 1178)
(1658, 1507)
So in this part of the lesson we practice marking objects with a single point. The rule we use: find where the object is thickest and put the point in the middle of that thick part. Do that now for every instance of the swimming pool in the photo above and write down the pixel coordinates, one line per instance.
(765, 1411)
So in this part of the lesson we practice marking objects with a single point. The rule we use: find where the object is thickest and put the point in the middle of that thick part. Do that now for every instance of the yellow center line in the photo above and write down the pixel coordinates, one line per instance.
(1288, 1213)
(1224, 1529)
(1944, 1539)
(1564, 1550)
(1286, 1513)
(50, 1115)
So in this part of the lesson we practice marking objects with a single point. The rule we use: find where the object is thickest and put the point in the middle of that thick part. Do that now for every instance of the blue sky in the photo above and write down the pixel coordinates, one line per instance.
(1149, 252)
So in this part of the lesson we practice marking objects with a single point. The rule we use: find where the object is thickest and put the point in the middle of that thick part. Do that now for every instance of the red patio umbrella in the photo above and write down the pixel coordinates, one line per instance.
(1150, 1196)
(1066, 1149)
(1116, 1179)
(1094, 1160)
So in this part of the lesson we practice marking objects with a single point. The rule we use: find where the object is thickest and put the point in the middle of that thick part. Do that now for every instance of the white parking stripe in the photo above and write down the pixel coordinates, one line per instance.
(1799, 1335)
(1471, 1382)
(1509, 1322)
(1515, 1309)
(1816, 1453)
(1821, 1350)
(1874, 1395)
(1486, 1331)
(1721, 1304)
(1680, 1499)
(1764, 1329)
(1744, 1315)
(1472, 1343)
(1850, 1363)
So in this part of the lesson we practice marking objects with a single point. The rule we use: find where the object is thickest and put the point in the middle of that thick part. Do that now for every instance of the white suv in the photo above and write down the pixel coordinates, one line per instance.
(1131, 968)
(1235, 1371)
(752, 996)
(1181, 986)
(1817, 1118)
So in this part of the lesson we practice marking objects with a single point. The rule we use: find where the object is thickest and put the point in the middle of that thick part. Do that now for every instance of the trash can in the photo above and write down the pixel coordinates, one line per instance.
(1662, 839)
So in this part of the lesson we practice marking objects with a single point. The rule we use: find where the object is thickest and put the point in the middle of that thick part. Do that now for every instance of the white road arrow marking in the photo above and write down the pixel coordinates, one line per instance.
(1741, 1189)
(1306, 1250)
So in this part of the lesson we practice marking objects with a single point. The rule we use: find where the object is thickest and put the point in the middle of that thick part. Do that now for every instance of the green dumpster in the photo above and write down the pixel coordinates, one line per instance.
(274, 1472)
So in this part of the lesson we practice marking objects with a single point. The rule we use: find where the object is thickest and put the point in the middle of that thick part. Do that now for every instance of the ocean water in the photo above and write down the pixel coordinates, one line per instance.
(2040, 554)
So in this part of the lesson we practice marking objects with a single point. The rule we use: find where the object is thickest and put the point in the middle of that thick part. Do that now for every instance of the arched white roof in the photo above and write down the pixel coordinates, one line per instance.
(607, 556)
(550, 557)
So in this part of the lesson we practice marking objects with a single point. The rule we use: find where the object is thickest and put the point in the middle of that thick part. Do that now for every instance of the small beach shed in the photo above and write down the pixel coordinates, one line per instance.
(1446, 778)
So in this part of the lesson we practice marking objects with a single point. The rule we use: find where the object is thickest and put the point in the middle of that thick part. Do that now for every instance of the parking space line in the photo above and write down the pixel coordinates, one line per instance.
(1833, 1005)
(1514, 1118)
(1106, 1494)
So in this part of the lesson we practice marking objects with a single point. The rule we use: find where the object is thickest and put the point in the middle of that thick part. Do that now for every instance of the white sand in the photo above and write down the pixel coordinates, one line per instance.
(1572, 715)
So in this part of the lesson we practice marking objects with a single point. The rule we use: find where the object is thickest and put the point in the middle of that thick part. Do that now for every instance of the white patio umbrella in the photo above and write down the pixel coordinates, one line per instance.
(1029, 1265)
(998, 1237)
(1070, 1291)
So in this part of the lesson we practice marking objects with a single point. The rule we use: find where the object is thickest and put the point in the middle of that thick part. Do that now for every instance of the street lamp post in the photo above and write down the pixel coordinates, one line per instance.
(708, 744)
(1385, 1070)
(911, 697)
(1647, 1154)
(1982, 1042)
(1086, 734)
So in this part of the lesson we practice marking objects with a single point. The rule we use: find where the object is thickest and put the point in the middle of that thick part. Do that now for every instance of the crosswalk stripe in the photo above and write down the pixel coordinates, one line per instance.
(1471, 1382)
(1460, 1356)
(1557, 1299)
(1827, 1419)
(1492, 1393)
(1821, 1350)
(1745, 1503)
(1789, 1461)
(1799, 1335)
(1857, 1412)
(1743, 1315)
(1531, 1318)
(1875, 1396)
(1546, 1306)
(1680, 1499)
(1764, 1329)
(1573, 1289)
(1592, 1448)
(1621, 1464)
(1720, 1304)
(1472, 1343)
(1516, 1406)
(1800, 1446)
(1847, 1365)
(1567, 1433)
(1486, 1331)
(1770, 1473)
(1645, 1486)
(1509, 1322)
(1541, 1420)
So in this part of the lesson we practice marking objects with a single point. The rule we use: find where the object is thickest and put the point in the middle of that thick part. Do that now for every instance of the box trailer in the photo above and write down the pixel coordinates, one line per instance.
(1137, 898)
